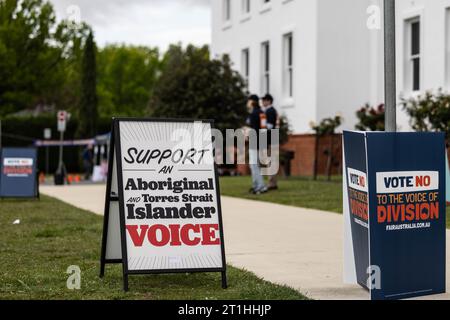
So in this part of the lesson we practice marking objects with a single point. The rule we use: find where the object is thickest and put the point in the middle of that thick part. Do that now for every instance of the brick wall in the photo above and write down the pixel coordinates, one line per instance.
(303, 163)
(303, 147)
(304, 159)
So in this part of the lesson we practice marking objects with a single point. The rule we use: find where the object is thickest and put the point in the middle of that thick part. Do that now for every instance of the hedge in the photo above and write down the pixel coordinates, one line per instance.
(23, 131)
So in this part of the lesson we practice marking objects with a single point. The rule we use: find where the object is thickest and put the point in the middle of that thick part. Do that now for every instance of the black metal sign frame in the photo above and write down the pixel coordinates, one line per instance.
(115, 148)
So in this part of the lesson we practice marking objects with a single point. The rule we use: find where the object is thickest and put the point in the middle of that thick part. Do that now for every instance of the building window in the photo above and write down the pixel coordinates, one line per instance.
(413, 55)
(288, 66)
(246, 6)
(245, 66)
(226, 10)
(265, 58)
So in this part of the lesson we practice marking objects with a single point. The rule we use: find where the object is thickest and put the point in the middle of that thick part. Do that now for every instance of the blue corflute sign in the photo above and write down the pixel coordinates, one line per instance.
(395, 213)
(18, 177)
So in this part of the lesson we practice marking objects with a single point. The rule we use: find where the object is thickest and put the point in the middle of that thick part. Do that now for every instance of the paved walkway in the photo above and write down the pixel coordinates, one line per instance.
(297, 247)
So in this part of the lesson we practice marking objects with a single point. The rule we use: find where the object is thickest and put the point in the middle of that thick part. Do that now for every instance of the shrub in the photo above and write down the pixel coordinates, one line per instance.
(23, 131)
(429, 112)
(327, 126)
(371, 118)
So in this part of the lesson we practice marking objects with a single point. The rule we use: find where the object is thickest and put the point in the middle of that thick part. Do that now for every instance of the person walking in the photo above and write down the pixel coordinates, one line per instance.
(88, 162)
(254, 121)
(272, 122)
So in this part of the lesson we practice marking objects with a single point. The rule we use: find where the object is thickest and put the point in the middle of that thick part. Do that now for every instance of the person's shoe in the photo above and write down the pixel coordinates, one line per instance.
(264, 190)
(252, 191)
(273, 188)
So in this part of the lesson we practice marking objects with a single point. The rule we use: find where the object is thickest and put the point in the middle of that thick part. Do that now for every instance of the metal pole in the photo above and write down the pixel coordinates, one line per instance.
(390, 66)
(61, 163)
(47, 165)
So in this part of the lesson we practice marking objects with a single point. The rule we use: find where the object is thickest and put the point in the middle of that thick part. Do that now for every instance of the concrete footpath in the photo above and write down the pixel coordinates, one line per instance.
(297, 247)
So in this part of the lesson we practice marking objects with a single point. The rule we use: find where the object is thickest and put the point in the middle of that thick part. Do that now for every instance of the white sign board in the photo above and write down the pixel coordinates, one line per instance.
(167, 197)
(62, 121)
(47, 134)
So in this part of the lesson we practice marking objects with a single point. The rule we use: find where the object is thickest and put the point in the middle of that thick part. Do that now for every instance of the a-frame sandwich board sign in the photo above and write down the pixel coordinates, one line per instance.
(162, 206)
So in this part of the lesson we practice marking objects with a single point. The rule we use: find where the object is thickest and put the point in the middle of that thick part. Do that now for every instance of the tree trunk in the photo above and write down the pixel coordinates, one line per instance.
(316, 157)
(330, 158)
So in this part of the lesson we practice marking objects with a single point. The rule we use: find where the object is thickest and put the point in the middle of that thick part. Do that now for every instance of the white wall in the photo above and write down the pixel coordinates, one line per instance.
(338, 61)
(345, 59)
(270, 24)
(433, 47)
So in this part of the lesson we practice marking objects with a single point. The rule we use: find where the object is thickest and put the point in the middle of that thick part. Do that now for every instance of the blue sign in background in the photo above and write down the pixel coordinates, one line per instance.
(411, 261)
(18, 181)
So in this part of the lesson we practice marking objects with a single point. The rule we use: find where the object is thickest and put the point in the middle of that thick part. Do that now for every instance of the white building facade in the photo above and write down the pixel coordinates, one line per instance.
(321, 58)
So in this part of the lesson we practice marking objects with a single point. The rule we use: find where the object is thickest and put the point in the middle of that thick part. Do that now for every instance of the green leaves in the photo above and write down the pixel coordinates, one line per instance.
(44, 64)
(194, 86)
(429, 112)
(88, 108)
(35, 55)
(327, 126)
(371, 118)
(126, 79)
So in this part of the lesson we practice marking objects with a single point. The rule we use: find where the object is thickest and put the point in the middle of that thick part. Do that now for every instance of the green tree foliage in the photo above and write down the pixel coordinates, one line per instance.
(327, 126)
(285, 129)
(87, 112)
(75, 37)
(429, 112)
(48, 64)
(33, 52)
(370, 118)
(126, 79)
(194, 86)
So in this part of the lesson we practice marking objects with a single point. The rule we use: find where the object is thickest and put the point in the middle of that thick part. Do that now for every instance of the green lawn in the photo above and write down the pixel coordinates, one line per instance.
(298, 192)
(52, 236)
